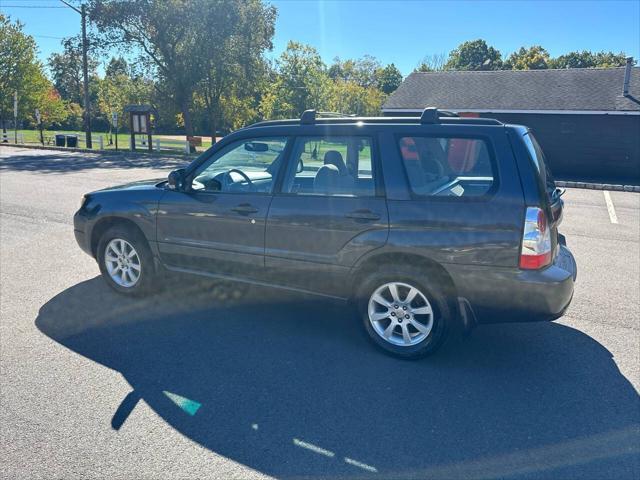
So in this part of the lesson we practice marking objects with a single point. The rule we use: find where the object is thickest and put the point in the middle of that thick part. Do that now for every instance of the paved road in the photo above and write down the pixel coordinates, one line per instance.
(209, 380)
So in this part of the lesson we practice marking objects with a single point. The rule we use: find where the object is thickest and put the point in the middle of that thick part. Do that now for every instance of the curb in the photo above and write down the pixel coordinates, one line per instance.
(101, 152)
(598, 186)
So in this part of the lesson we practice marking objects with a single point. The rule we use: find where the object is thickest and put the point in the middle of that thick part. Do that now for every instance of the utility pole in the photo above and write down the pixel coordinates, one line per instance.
(85, 72)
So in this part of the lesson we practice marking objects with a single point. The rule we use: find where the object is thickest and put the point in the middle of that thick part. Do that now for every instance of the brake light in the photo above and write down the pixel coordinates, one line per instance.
(536, 240)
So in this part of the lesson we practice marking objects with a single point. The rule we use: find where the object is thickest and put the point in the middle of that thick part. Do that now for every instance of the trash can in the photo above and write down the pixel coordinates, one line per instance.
(72, 141)
(60, 139)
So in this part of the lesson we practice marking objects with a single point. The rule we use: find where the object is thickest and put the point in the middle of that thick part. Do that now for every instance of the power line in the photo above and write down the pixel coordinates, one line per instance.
(32, 6)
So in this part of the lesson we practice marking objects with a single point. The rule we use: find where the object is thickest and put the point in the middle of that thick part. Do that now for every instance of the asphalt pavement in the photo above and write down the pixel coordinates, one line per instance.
(210, 380)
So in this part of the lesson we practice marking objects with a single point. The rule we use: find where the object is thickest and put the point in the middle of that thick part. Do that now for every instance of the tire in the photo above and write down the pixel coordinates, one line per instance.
(430, 297)
(126, 282)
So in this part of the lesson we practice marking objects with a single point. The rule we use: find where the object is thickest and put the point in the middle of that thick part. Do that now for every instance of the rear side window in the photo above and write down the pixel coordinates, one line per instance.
(331, 166)
(447, 166)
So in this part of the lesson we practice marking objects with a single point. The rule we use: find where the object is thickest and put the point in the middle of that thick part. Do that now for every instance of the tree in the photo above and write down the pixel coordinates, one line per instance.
(238, 33)
(587, 59)
(474, 55)
(432, 63)
(66, 71)
(116, 66)
(362, 71)
(350, 98)
(119, 88)
(532, 58)
(20, 72)
(167, 32)
(300, 82)
(388, 79)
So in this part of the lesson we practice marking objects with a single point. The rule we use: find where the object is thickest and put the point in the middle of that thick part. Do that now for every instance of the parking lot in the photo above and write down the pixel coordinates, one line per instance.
(212, 380)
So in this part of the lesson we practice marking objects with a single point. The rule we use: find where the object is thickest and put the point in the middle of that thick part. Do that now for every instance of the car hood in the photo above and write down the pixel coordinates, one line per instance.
(138, 185)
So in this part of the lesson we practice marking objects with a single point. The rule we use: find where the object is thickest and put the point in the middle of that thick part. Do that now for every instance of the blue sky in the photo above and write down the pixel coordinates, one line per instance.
(403, 32)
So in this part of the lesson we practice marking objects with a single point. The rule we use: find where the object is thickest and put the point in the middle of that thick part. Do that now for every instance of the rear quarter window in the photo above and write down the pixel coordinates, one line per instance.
(447, 166)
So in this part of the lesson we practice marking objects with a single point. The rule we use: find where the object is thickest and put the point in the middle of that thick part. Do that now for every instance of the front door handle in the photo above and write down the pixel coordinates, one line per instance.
(363, 214)
(245, 209)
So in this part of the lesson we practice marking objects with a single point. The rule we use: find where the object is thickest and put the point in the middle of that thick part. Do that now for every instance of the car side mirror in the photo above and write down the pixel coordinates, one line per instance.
(175, 181)
(300, 166)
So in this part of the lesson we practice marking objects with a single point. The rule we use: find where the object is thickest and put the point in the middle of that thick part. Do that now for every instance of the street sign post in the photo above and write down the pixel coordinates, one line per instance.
(39, 121)
(15, 115)
(114, 122)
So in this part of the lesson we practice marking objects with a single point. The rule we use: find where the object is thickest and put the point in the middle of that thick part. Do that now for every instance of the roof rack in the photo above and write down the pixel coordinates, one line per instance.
(429, 116)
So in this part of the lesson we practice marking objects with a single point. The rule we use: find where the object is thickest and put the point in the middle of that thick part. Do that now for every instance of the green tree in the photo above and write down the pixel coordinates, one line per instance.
(388, 79)
(167, 32)
(20, 72)
(587, 59)
(474, 55)
(66, 71)
(532, 58)
(238, 33)
(117, 89)
(300, 82)
(350, 98)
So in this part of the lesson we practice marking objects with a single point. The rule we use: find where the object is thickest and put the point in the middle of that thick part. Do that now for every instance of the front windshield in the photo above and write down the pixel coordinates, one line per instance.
(247, 165)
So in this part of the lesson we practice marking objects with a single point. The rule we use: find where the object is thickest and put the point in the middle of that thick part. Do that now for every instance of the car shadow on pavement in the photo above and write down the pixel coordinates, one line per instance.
(64, 162)
(289, 386)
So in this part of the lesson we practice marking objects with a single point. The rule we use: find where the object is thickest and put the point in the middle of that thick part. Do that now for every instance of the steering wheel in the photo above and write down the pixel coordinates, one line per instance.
(227, 180)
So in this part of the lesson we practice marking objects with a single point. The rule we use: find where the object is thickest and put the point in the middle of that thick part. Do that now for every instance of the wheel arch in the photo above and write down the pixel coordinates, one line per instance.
(378, 261)
(106, 223)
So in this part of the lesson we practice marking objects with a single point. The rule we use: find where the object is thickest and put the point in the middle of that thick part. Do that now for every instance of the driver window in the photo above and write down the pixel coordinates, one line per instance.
(447, 166)
(246, 166)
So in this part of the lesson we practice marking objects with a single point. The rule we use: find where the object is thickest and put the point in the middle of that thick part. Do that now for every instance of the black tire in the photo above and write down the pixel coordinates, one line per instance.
(148, 275)
(431, 286)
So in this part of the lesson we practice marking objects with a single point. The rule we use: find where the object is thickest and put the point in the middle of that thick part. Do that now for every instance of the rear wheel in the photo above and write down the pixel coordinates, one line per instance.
(125, 261)
(404, 311)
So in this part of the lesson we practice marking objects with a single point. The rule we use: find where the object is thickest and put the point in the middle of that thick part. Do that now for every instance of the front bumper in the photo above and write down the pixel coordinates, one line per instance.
(80, 224)
(513, 295)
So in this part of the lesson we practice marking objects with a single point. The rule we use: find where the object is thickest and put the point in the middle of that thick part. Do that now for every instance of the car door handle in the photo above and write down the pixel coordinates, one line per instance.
(363, 215)
(245, 209)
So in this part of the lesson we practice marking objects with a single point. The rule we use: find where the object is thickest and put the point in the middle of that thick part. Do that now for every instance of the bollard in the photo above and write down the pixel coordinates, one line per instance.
(157, 144)
(5, 137)
(101, 142)
(187, 147)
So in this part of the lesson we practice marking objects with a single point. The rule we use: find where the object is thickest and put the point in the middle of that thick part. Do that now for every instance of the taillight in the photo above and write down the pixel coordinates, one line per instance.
(536, 240)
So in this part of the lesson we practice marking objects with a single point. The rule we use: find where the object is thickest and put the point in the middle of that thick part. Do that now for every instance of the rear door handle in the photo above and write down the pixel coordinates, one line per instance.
(245, 209)
(363, 214)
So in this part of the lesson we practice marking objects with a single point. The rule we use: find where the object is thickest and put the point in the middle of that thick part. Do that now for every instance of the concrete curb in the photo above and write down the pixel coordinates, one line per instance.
(598, 186)
(101, 152)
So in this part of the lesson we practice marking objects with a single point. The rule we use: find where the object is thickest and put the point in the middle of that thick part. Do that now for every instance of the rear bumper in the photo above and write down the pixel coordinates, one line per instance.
(513, 295)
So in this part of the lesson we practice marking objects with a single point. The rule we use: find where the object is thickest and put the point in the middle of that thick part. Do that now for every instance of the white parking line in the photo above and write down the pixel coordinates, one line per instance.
(358, 464)
(313, 448)
(610, 208)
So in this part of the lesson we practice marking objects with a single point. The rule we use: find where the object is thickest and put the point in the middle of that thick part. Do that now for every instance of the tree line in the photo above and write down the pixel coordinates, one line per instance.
(205, 70)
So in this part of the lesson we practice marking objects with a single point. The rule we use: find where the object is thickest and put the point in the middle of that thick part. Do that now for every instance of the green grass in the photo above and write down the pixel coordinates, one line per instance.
(168, 145)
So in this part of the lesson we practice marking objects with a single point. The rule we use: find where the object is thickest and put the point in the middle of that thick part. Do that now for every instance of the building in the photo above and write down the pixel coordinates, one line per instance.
(587, 120)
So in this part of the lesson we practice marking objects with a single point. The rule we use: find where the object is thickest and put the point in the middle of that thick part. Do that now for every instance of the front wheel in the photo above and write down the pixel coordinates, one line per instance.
(404, 312)
(125, 261)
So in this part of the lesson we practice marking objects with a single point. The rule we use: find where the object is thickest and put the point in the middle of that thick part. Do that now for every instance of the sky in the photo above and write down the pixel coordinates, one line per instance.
(403, 32)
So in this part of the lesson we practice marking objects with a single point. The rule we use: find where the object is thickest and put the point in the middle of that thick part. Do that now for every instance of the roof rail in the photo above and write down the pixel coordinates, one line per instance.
(309, 116)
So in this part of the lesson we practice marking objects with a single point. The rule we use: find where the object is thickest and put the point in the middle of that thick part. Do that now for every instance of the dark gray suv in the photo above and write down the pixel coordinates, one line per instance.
(427, 224)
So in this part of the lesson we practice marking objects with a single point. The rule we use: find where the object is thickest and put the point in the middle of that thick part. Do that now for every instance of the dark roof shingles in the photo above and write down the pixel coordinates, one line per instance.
(569, 89)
